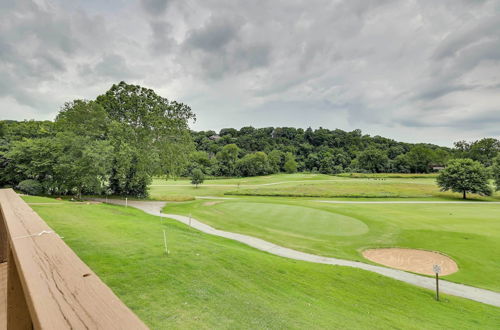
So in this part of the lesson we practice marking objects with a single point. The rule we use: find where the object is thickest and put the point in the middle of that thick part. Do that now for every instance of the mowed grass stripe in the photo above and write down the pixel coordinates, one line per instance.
(468, 233)
(210, 282)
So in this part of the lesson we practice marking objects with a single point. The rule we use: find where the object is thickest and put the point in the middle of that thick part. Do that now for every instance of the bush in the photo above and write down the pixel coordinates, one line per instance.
(30, 187)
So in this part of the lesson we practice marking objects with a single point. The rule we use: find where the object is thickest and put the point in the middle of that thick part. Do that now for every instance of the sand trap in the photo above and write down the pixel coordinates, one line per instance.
(211, 203)
(417, 261)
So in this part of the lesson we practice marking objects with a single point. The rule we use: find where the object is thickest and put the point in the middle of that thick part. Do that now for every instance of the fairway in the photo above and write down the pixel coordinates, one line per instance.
(345, 230)
(311, 185)
(209, 282)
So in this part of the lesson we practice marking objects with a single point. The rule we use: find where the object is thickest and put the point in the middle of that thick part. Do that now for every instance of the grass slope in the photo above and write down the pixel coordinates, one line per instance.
(309, 185)
(210, 282)
(469, 233)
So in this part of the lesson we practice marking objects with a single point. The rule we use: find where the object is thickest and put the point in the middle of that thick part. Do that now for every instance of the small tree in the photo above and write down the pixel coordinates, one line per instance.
(197, 177)
(465, 176)
(496, 171)
(290, 163)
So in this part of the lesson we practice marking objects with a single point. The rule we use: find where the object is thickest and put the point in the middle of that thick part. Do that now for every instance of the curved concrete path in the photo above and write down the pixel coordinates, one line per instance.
(460, 290)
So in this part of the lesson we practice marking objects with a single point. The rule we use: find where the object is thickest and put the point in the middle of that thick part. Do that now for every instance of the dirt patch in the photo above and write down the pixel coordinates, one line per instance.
(417, 261)
(211, 203)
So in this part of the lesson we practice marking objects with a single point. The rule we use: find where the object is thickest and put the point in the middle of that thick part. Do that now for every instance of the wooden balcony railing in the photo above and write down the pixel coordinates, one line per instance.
(43, 283)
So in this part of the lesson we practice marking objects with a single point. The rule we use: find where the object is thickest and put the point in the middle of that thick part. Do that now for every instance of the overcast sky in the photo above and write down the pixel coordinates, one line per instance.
(426, 71)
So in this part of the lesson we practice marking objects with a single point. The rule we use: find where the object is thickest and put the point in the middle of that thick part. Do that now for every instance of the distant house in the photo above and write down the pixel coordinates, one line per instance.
(214, 137)
(437, 167)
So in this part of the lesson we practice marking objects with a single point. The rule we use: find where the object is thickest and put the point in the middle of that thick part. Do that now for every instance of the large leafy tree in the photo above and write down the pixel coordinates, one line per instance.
(149, 135)
(465, 176)
(420, 159)
(373, 160)
(484, 150)
(227, 159)
(496, 172)
(253, 164)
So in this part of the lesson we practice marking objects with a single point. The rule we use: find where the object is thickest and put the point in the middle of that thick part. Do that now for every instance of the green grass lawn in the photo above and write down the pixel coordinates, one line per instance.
(310, 185)
(210, 282)
(469, 233)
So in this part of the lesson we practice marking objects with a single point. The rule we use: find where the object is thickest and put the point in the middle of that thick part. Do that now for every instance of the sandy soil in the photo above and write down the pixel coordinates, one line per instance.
(417, 261)
(211, 203)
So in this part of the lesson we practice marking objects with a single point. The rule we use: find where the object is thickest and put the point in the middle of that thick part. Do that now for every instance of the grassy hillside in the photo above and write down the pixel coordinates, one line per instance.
(209, 282)
(310, 185)
(469, 233)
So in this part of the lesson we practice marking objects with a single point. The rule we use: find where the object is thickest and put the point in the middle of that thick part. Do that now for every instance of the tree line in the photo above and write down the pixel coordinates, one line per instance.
(258, 151)
(114, 144)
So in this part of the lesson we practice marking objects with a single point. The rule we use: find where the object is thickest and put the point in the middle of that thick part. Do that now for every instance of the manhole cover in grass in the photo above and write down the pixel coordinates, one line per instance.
(413, 260)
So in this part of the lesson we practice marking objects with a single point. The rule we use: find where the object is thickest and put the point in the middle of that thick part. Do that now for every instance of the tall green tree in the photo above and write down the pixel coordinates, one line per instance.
(253, 164)
(227, 159)
(465, 176)
(373, 160)
(496, 172)
(152, 129)
(290, 163)
(420, 159)
(276, 160)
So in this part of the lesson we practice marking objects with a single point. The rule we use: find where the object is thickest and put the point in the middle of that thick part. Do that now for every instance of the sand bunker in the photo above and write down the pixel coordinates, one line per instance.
(211, 203)
(417, 261)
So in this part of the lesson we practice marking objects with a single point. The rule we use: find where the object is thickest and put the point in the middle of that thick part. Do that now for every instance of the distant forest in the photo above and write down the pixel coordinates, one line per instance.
(259, 151)
(118, 142)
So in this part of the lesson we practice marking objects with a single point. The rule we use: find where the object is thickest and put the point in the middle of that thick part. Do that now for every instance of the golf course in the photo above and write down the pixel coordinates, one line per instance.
(206, 281)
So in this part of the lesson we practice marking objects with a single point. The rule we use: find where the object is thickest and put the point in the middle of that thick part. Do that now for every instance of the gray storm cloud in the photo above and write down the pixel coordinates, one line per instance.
(411, 70)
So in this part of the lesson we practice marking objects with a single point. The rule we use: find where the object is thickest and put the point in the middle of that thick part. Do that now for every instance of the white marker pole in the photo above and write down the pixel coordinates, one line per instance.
(126, 202)
(165, 241)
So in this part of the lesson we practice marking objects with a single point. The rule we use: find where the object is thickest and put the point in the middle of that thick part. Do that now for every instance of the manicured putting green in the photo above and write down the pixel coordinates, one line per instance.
(278, 217)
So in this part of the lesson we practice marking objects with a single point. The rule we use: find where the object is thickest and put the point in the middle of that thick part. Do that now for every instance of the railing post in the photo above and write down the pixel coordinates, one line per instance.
(18, 316)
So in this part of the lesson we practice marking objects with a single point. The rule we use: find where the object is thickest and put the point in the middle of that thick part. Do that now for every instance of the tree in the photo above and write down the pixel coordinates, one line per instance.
(83, 165)
(465, 176)
(152, 129)
(197, 177)
(227, 158)
(201, 160)
(420, 159)
(253, 164)
(276, 160)
(373, 160)
(484, 150)
(85, 118)
(496, 172)
(290, 163)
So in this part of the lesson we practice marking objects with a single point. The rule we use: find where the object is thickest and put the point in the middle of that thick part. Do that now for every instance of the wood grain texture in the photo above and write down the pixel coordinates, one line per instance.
(4, 242)
(18, 315)
(60, 290)
(3, 295)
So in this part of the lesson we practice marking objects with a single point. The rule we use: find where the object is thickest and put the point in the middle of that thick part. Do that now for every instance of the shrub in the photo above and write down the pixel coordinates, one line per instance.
(30, 187)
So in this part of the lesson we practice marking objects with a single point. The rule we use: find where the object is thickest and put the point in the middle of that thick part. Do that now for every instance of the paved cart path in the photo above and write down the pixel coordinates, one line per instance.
(460, 290)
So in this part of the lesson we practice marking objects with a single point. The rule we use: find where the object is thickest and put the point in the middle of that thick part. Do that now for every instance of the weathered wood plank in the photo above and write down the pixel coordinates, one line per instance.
(60, 290)
(4, 242)
(18, 314)
(3, 295)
